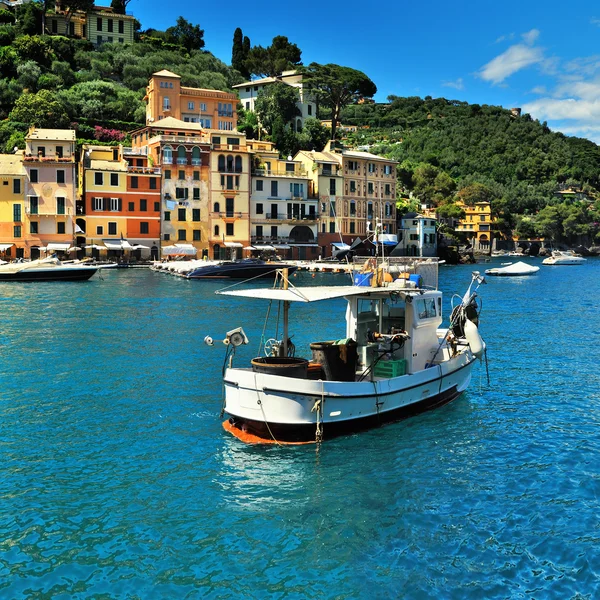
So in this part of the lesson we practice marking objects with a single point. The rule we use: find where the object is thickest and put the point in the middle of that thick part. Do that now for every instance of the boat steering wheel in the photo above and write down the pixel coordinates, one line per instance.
(271, 347)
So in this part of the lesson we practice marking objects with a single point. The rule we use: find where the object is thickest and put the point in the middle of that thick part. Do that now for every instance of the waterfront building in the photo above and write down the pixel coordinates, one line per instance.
(477, 224)
(119, 200)
(50, 191)
(166, 97)
(283, 209)
(229, 217)
(356, 191)
(12, 206)
(250, 90)
(417, 235)
(99, 25)
(182, 152)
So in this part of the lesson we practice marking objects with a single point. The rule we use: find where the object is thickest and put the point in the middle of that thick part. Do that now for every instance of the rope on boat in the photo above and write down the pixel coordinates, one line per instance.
(487, 369)
(318, 407)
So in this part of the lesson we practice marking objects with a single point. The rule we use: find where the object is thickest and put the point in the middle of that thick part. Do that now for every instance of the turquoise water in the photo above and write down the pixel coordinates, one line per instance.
(117, 480)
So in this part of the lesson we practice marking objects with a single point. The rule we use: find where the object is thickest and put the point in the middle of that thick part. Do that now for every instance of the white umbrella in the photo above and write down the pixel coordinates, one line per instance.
(95, 247)
(73, 249)
(140, 247)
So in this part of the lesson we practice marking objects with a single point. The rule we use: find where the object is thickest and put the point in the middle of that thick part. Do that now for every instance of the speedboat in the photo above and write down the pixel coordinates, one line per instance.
(392, 359)
(47, 269)
(564, 257)
(248, 268)
(513, 269)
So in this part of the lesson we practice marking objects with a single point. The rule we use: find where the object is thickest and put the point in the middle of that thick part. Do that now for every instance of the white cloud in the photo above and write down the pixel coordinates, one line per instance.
(514, 59)
(566, 108)
(539, 89)
(457, 85)
(531, 36)
(502, 38)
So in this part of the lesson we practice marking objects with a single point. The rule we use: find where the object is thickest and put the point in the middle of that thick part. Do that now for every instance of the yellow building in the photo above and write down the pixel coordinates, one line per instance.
(50, 191)
(166, 97)
(99, 25)
(356, 190)
(229, 224)
(12, 206)
(477, 223)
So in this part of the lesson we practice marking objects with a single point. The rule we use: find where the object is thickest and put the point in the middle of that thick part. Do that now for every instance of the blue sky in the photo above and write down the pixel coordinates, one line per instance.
(541, 56)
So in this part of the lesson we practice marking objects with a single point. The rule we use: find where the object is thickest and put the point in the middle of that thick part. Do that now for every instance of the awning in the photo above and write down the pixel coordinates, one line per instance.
(5, 247)
(233, 245)
(340, 246)
(180, 250)
(57, 246)
(113, 244)
(249, 248)
(282, 247)
(263, 247)
(305, 245)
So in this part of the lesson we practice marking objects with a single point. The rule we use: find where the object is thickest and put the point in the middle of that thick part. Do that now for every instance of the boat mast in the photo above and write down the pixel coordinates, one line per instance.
(286, 308)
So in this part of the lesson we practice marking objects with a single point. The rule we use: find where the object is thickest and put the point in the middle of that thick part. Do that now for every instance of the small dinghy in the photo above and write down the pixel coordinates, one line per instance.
(513, 270)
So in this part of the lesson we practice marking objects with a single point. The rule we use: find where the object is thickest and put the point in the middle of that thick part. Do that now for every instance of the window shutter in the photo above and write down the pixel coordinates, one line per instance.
(120, 204)
(104, 203)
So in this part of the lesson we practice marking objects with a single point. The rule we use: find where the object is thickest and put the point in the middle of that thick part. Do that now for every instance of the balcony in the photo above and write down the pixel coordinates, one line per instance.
(329, 172)
(167, 161)
(298, 173)
(179, 139)
(182, 161)
(288, 219)
(196, 162)
(48, 212)
(136, 151)
(144, 170)
(229, 147)
(230, 170)
(49, 159)
(229, 215)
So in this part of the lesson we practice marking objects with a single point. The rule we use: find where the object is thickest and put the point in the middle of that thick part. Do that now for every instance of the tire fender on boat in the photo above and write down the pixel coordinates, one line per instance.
(473, 338)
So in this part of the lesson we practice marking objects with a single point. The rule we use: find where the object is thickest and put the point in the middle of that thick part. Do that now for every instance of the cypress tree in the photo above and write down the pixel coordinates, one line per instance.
(237, 51)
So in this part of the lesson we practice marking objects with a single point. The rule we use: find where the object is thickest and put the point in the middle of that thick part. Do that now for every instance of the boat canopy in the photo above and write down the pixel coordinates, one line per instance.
(294, 294)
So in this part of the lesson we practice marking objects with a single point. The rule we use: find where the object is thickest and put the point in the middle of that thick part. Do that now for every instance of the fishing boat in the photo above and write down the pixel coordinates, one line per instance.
(47, 269)
(392, 359)
(513, 270)
(564, 257)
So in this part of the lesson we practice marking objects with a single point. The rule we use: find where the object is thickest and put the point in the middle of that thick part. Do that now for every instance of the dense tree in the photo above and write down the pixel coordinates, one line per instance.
(277, 101)
(42, 109)
(120, 6)
(35, 48)
(280, 56)
(30, 18)
(336, 87)
(475, 192)
(186, 35)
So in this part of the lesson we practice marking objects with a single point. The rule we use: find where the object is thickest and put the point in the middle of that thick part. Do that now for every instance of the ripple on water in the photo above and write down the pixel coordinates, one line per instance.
(118, 480)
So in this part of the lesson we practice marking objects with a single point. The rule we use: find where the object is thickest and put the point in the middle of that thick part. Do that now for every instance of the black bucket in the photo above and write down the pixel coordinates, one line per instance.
(339, 360)
(282, 366)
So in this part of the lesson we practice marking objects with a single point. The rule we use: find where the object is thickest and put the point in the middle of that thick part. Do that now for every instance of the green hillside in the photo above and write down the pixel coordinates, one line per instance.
(519, 161)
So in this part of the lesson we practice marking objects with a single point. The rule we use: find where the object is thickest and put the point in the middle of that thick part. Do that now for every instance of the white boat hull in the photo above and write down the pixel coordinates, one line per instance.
(290, 409)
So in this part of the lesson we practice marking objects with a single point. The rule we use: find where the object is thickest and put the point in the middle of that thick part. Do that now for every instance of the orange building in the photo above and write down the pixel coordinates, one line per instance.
(182, 150)
(120, 200)
(166, 97)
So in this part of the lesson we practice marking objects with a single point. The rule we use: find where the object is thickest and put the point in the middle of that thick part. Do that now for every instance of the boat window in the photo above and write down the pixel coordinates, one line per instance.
(426, 308)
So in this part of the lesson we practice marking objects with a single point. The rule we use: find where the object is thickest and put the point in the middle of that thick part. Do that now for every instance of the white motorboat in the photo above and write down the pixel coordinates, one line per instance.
(393, 359)
(564, 257)
(513, 270)
(48, 269)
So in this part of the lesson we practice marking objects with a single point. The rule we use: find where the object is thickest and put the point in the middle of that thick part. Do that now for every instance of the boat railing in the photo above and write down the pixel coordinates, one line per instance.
(427, 268)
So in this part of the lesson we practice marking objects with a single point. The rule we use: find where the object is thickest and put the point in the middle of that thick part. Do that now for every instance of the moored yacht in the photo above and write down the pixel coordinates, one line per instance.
(564, 257)
(47, 269)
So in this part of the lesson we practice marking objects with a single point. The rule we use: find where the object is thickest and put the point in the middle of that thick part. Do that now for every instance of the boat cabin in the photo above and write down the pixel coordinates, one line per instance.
(373, 320)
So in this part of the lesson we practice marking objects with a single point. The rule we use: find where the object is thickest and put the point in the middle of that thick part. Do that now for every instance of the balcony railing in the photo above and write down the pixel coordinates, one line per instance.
(182, 161)
(300, 173)
(59, 159)
(196, 162)
(147, 170)
(137, 151)
(285, 217)
(48, 212)
(230, 170)
(229, 215)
